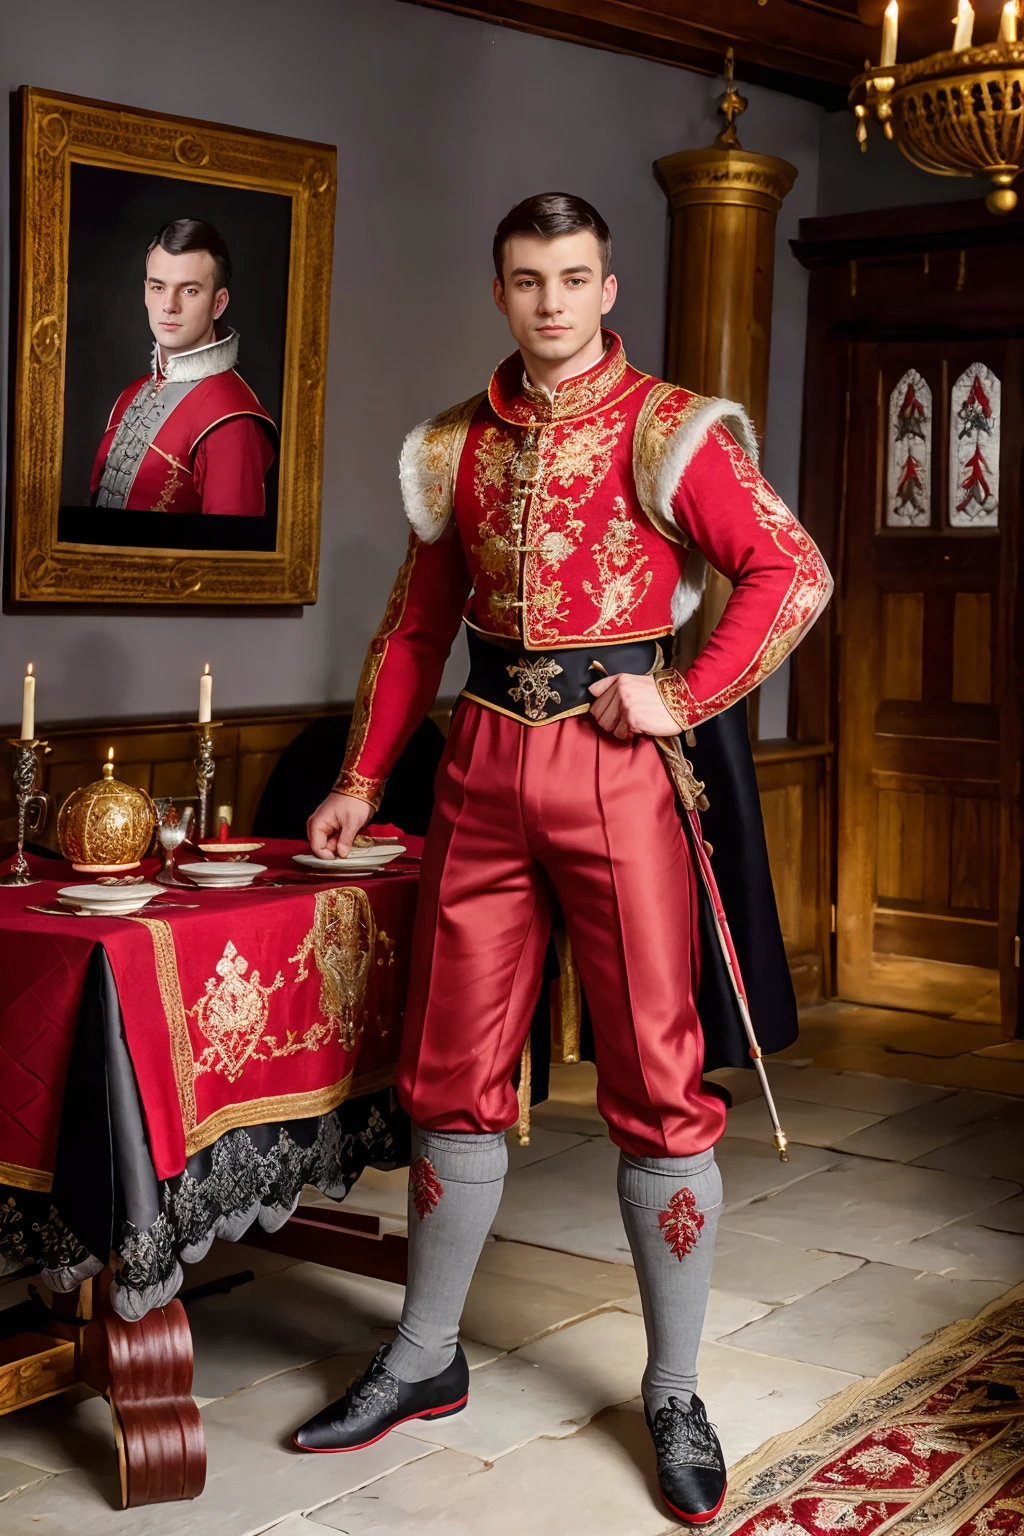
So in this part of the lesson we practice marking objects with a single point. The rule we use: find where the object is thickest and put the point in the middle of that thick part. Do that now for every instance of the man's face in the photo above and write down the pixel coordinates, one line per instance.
(182, 299)
(554, 294)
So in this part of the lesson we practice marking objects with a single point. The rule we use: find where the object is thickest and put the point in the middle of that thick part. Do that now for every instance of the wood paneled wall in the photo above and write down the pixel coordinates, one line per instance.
(794, 782)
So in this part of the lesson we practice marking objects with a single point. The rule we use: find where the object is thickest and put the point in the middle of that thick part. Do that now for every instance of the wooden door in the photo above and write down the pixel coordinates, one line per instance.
(927, 802)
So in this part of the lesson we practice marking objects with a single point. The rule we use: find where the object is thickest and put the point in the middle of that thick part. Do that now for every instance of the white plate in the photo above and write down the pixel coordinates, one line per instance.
(224, 876)
(127, 907)
(359, 859)
(107, 895)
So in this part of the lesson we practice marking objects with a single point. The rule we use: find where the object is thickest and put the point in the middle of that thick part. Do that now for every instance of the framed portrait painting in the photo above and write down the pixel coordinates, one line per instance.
(169, 359)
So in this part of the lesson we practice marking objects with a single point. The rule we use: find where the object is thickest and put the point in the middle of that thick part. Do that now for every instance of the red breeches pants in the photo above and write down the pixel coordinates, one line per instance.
(524, 813)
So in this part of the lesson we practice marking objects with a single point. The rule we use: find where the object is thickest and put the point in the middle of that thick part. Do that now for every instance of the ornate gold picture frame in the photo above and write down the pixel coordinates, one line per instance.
(90, 175)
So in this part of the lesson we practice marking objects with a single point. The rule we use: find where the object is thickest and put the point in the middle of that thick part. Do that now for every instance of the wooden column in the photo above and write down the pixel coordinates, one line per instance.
(724, 202)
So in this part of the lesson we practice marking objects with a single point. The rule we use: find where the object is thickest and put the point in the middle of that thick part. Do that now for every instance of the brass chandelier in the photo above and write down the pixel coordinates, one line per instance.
(956, 113)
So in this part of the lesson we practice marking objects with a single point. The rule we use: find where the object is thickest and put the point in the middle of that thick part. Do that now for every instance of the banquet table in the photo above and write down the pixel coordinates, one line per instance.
(174, 1077)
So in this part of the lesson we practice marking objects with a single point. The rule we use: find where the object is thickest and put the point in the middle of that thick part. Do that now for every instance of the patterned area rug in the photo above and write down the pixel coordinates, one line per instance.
(934, 1447)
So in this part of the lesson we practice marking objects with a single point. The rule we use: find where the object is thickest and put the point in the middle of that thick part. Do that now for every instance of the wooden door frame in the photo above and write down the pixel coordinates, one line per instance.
(839, 254)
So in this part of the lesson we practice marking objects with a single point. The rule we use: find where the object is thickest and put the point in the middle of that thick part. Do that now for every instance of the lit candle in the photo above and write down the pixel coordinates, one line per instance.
(964, 26)
(108, 766)
(28, 706)
(1008, 23)
(205, 696)
(890, 25)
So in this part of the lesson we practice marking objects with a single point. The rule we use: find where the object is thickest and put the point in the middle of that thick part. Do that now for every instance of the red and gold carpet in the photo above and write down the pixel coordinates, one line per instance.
(933, 1447)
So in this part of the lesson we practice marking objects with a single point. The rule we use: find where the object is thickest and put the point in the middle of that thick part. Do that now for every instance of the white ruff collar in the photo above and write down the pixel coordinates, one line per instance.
(202, 363)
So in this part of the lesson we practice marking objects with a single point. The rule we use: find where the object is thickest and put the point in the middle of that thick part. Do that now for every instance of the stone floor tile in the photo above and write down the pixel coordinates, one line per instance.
(62, 1434)
(520, 1291)
(997, 1152)
(725, 1312)
(285, 1320)
(751, 1170)
(567, 1202)
(751, 1397)
(230, 1259)
(599, 1482)
(773, 1272)
(16, 1475)
(865, 1091)
(968, 1252)
(253, 1479)
(544, 1143)
(868, 1320)
(293, 1525)
(804, 1121)
(742, 1083)
(901, 1138)
(551, 1387)
(865, 1207)
(375, 1192)
(1007, 1216)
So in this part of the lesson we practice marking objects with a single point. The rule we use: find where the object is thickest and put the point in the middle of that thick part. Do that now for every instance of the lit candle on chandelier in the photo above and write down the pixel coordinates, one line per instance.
(890, 27)
(964, 26)
(1008, 23)
(28, 705)
(205, 696)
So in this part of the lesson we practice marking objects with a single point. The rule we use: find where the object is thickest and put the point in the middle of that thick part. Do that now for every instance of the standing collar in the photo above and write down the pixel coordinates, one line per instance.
(516, 400)
(201, 363)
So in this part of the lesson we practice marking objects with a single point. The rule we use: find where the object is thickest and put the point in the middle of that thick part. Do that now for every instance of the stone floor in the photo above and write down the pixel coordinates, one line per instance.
(900, 1211)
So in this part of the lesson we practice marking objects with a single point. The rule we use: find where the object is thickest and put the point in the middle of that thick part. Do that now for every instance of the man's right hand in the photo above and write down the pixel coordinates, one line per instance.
(333, 826)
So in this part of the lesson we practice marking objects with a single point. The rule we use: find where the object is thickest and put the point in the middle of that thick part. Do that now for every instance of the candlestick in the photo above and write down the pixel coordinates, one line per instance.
(1008, 23)
(205, 696)
(964, 26)
(890, 28)
(28, 705)
(26, 776)
(205, 768)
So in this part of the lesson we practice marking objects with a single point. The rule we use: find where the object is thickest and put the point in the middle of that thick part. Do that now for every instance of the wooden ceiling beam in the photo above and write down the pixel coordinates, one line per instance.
(807, 48)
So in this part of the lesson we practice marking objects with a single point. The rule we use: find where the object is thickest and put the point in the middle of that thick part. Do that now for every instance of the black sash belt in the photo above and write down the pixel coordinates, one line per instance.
(540, 686)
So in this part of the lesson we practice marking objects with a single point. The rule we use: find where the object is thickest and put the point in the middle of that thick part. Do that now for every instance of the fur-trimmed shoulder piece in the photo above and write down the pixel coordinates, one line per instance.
(428, 465)
(671, 427)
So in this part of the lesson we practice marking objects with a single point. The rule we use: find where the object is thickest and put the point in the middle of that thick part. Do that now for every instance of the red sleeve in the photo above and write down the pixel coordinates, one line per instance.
(403, 667)
(780, 582)
(230, 466)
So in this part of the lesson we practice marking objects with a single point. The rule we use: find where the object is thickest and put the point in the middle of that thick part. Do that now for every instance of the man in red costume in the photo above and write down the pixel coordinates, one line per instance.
(568, 514)
(190, 436)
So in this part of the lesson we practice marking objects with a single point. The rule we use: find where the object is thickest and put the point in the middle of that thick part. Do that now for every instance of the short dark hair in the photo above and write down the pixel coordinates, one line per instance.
(183, 235)
(549, 215)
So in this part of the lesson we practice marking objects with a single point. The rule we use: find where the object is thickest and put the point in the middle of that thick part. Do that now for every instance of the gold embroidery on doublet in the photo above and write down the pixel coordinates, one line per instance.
(620, 560)
(533, 689)
(666, 409)
(350, 781)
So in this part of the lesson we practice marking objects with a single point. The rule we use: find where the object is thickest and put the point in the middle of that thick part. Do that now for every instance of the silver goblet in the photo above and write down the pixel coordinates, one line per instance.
(172, 830)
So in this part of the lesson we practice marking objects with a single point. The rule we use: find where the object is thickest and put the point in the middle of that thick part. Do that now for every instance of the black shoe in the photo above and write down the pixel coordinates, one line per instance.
(691, 1467)
(377, 1401)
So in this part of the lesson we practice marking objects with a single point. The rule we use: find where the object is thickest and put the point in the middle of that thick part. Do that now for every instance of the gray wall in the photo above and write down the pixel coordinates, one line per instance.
(853, 180)
(441, 123)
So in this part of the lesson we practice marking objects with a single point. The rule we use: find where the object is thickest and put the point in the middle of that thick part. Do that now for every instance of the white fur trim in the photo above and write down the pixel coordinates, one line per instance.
(206, 362)
(673, 463)
(427, 467)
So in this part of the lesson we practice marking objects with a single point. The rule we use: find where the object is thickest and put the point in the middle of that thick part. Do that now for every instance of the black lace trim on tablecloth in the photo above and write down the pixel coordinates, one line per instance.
(251, 1174)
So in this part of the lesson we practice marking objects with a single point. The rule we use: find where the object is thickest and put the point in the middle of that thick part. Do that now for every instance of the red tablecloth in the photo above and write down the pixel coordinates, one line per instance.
(260, 1005)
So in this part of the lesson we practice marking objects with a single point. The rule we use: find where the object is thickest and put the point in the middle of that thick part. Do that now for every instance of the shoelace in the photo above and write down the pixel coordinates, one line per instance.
(683, 1436)
(374, 1388)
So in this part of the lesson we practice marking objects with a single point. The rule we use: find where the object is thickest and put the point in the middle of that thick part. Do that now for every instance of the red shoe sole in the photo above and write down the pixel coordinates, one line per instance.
(690, 1519)
(428, 1413)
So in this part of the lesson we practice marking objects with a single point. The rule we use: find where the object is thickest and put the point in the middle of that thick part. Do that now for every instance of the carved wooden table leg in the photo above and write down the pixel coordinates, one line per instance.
(145, 1371)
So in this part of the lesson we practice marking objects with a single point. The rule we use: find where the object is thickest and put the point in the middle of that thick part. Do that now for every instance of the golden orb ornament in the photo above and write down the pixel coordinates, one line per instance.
(106, 826)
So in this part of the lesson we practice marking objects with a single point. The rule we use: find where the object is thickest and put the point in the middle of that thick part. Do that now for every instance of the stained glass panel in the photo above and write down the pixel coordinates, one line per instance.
(974, 419)
(909, 480)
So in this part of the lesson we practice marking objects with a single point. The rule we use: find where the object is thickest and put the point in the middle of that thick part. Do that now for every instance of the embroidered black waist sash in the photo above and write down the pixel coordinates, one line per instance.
(540, 686)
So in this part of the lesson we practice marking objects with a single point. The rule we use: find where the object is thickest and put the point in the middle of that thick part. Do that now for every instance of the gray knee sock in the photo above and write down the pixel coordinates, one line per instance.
(670, 1208)
(454, 1188)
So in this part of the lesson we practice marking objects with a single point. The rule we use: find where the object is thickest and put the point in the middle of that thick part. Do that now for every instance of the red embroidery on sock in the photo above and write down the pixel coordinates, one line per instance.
(681, 1223)
(426, 1187)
